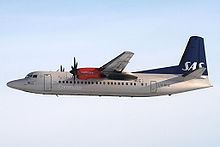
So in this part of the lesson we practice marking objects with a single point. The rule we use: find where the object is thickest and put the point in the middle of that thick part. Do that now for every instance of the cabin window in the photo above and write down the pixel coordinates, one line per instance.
(88, 82)
(126, 83)
(142, 84)
(131, 84)
(111, 83)
(145, 84)
(71, 82)
(81, 82)
(122, 83)
(96, 82)
(118, 83)
(63, 81)
(66, 81)
(135, 84)
(100, 82)
(92, 82)
(108, 83)
(77, 82)
(114, 83)
(59, 81)
(104, 83)
(85, 82)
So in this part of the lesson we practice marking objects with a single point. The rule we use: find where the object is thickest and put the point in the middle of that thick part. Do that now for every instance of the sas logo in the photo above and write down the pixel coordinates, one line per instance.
(189, 66)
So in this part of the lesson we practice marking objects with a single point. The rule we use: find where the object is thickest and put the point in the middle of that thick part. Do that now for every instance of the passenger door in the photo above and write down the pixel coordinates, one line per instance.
(47, 82)
(153, 86)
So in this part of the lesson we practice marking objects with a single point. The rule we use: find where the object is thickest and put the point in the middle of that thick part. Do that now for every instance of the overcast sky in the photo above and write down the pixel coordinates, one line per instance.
(42, 35)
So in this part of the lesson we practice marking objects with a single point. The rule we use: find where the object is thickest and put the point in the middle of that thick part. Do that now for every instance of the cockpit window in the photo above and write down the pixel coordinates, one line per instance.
(29, 75)
(34, 76)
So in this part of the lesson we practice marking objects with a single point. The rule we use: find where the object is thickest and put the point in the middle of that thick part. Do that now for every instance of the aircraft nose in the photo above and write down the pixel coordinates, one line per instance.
(10, 84)
(17, 84)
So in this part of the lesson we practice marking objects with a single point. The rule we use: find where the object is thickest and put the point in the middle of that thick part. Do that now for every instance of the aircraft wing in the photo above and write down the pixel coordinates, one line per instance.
(118, 63)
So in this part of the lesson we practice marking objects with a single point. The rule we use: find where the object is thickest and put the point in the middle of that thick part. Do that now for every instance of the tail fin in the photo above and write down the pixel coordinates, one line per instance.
(192, 59)
(194, 55)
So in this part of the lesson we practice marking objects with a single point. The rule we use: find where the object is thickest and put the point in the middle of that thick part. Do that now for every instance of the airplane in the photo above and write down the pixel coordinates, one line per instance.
(110, 80)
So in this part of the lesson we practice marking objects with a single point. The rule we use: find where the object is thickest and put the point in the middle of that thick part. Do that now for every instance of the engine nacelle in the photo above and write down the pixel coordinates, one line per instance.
(89, 73)
(95, 73)
(121, 76)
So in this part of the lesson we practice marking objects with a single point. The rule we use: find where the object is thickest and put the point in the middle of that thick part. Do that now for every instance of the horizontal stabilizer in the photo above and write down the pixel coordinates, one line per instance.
(194, 74)
(182, 78)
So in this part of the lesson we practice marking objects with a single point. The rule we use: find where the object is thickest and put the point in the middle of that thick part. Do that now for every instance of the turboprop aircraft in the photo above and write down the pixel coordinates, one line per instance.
(110, 80)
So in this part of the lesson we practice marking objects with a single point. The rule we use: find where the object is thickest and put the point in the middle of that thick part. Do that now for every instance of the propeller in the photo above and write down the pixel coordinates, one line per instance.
(62, 68)
(74, 69)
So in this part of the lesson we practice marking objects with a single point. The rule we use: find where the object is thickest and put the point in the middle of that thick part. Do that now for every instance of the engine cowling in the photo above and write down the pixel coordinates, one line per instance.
(89, 73)
(95, 73)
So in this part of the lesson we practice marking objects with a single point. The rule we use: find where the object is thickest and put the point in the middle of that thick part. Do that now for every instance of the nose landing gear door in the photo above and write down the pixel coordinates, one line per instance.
(47, 82)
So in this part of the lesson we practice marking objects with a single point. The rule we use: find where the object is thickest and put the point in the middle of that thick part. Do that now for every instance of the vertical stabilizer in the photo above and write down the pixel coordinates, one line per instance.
(192, 59)
(194, 55)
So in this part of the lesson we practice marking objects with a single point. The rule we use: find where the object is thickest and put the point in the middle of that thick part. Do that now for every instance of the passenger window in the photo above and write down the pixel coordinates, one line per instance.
(88, 82)
(142, 84)
(70, 82)
(130, 83)
(126, 83)
(92, 82)
(111, 83)
(59, 81)
(81, 82)
(108, 83)
(135, 84)
(85, 82)
(77, 82)
(66, 81)
(63, 81)
(122, 83)
(104, 83)
(100, 82)
(96, 82)
(118, 83)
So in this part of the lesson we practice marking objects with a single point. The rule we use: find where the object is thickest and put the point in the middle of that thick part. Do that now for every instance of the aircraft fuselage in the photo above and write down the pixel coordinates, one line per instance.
(62, 83)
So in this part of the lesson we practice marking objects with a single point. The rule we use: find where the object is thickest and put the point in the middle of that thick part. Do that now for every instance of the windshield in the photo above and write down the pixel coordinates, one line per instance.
(29, 75)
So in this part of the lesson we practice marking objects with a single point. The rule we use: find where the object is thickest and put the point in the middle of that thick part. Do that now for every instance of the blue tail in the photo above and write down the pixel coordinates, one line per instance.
(194, 55)
(193, 58)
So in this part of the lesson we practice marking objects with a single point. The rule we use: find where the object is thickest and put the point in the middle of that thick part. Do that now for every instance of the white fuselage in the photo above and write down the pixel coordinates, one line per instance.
(62, 83)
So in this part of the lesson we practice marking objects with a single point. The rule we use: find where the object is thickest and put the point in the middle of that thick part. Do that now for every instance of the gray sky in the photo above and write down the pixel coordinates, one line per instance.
(42, 35)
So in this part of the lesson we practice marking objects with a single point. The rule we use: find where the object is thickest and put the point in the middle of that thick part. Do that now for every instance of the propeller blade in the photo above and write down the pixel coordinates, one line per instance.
(76, 65)
(60, 68)
(74, 68)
